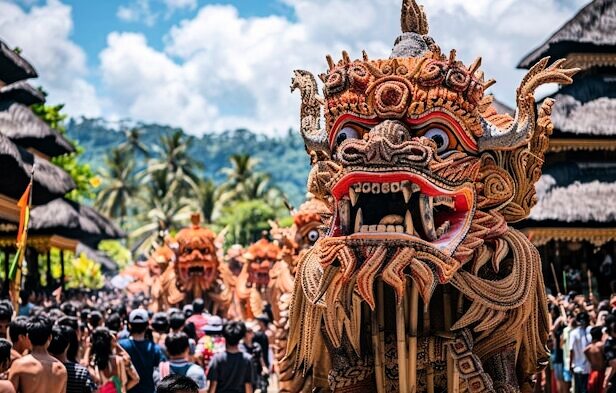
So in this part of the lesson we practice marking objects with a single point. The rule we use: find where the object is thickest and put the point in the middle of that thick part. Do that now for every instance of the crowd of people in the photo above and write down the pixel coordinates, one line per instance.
(582, 345)
(112, 344)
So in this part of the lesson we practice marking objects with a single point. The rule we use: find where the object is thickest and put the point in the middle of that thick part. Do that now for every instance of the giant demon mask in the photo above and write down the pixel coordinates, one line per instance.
(423, 177)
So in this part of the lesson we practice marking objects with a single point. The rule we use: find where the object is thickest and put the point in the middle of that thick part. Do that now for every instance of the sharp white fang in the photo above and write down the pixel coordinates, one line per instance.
(408, 223)
(353, 195)
(406, 190)
(359, 221)
(426, 213)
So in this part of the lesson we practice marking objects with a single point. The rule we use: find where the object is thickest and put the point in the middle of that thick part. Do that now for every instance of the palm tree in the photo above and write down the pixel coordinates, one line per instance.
(174, 161)
(133, 142)
(244, 183)
(208, 197)
(119, 185)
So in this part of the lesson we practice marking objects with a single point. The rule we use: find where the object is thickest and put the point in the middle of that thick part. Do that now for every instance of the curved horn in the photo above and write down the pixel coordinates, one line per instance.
(314, 136)
(521, 129)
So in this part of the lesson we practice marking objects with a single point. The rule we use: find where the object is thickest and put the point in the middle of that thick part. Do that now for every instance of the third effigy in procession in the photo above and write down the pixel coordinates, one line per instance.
(418, 283)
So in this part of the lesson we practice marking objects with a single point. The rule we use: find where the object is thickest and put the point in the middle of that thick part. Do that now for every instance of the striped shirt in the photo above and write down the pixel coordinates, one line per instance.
(79, 379)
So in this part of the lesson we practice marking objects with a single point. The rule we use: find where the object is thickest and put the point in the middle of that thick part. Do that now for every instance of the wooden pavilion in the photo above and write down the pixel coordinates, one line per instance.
(574, 222)
(27, 141)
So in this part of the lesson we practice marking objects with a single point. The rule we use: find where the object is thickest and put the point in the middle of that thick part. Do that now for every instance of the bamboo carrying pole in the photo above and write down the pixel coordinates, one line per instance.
(453, 382)
(401, 341)
(413, 320)
(378, 352)
(381, 320)
(426, 333)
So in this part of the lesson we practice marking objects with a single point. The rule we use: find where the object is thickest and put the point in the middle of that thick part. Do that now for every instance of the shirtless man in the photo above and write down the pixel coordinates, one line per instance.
(18, 333)
(5, 362)
(38, 372)
(594, 354)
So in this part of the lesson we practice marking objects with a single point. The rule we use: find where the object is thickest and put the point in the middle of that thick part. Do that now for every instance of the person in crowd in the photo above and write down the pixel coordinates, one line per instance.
(145, 354)
(199, 317)
(579, 340)
(110, 370)
(18, 333)
(5, 363)
(75, 350)
(79, 379)
(177, 384)
(6, 315)
(231, 370)
(178, 350)
(177, 320)
(160, 325)
(594, 353)
(251, 347)
(114, 323)
(262, 335)
(27, 302)
(609, 352)
(187, 310)
(38, 372)
(212, 341)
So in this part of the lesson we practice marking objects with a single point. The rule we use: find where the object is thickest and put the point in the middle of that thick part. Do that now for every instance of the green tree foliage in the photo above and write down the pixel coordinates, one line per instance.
(81, 173)
(246, 220)
(117, 252)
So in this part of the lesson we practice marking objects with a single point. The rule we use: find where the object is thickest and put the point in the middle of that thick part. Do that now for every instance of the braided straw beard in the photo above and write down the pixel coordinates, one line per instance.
(360, 261)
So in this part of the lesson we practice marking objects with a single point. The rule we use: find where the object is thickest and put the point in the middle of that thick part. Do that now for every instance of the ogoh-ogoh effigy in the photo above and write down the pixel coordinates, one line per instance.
(420, 284)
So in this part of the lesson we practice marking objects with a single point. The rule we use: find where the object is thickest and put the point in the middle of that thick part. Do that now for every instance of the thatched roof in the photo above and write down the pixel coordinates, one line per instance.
(50, 182)
(596, 117)
(590, 202)
(26, 129)
(21, 92)
(97, 256)
(590, 30)
(13, 67)
(73, 220)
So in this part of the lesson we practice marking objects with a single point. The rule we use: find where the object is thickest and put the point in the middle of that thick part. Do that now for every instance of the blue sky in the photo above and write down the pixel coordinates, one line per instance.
(209, 66)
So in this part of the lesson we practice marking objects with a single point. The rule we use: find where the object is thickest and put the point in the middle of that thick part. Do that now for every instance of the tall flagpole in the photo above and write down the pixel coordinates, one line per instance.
(25, 202)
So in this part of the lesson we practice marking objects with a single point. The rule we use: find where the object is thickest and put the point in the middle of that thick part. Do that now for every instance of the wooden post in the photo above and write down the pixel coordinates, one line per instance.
(48, 276)
(426, 332)
(453, 381)
(62, 269)
(380, 293)
(413, 320)
(7, 261)
(401, 342)
(378, 351)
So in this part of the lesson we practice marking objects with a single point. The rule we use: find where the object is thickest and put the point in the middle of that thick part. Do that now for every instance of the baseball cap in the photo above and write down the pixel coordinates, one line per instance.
(138, 316)
(213, 325)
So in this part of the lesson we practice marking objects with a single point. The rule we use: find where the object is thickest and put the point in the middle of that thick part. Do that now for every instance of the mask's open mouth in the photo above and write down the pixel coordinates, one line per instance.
(401, 206)
(196, 271)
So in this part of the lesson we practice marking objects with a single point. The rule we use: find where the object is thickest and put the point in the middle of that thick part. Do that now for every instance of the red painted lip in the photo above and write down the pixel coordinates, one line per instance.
(436, 115)
(463, 195)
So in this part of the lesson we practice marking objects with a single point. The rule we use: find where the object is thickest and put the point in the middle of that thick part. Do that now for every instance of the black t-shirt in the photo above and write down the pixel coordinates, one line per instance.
(231, 370)
(261, 339)
(255, 356)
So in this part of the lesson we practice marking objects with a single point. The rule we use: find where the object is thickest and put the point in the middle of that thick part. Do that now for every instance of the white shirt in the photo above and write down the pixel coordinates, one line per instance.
(579, 339)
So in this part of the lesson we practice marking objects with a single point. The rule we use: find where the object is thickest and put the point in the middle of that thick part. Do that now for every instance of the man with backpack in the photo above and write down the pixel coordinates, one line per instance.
(145, 354)
(177, 348)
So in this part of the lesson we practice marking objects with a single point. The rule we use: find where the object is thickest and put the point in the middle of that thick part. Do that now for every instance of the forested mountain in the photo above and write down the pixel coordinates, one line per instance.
(282, 157)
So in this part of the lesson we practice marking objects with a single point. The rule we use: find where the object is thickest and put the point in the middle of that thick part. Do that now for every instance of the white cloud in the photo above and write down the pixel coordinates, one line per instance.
(137, 11)
(219, 70)
(43, 34)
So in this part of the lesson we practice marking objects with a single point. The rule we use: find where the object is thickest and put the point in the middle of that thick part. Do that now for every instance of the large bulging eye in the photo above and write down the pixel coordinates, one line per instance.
(346, 133)
(313, 235)
(440, 137)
